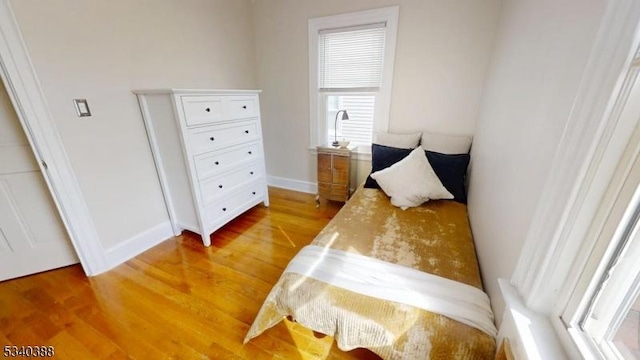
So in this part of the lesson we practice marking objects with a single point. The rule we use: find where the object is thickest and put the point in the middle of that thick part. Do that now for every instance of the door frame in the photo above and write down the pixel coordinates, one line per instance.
(27, 97)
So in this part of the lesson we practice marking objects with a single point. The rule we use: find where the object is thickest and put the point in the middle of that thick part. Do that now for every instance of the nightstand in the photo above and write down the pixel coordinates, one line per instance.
(333, 173)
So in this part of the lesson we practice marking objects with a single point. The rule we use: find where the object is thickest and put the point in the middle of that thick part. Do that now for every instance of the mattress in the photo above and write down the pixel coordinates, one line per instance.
(433, 238)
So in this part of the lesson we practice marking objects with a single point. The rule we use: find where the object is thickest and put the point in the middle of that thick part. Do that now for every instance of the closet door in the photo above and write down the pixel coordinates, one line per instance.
(32, 235)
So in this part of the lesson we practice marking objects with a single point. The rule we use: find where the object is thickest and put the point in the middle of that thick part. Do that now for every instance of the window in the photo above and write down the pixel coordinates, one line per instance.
(607, 320)
(350, 68)
(589, 189)
(359, 127)
(603, 313)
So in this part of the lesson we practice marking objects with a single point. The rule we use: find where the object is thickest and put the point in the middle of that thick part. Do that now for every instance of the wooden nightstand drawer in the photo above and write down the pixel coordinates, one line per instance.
(325, 170)
(333, 191)
(341, 167)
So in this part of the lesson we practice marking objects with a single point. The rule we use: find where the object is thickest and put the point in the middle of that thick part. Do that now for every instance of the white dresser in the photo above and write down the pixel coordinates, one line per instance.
(207, 146)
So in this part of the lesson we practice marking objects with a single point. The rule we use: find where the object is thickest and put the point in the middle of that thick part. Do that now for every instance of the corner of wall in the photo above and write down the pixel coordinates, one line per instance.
(292, 184)
(137, 244)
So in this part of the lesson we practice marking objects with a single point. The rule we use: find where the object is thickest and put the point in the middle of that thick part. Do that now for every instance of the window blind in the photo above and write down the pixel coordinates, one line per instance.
(351, 57)
(359, 128)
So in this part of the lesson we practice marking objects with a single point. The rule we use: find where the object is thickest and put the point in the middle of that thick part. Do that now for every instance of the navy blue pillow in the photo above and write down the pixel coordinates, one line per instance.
(452, 172)
(381, 158)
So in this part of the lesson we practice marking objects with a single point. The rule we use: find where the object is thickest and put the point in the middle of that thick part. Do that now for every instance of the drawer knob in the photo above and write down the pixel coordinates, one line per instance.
(217, 162)
(220, 186)
(207, 110)
(212, 138)
(224, 209)
(246, 131)
(244, 106)
(253, 192)
(249, 152)
(251, 173)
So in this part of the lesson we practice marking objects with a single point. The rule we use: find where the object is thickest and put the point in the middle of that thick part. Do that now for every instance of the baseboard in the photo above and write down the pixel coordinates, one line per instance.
(138, 244)
(291, 184)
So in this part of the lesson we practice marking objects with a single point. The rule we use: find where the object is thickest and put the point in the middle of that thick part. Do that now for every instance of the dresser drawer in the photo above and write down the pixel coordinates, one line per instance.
(239, 201)
(200, 140)
(217, 186)
(199, 110)
(209, 164)
(202, 110)
(242, 107)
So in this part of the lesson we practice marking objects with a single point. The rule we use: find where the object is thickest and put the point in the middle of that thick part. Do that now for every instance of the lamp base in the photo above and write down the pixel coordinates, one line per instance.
(335, 143)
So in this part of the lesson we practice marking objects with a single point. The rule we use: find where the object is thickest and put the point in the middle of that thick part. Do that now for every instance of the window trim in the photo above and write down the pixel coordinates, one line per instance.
(610, 211)
(620, 207)
(576, 184)
(317, 123)
(573, 191)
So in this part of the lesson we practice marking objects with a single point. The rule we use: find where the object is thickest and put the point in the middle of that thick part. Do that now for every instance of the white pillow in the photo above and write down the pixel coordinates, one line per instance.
(411, 181)
(402, 141)
(446, 144)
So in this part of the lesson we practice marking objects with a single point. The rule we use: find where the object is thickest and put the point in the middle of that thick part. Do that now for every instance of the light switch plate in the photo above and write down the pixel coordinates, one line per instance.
(82, 107)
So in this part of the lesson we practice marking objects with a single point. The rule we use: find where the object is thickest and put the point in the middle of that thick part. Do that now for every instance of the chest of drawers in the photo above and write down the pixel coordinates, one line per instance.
(207, 146)
(334, 166)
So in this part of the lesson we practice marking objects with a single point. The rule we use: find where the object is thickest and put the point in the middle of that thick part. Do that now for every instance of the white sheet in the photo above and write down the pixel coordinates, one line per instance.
(392, 282)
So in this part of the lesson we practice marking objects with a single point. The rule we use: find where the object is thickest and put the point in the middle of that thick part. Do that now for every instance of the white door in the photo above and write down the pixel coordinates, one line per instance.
(32, 235)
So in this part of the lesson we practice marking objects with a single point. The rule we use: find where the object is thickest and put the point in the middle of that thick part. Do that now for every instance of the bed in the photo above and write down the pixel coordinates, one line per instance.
(371, 239)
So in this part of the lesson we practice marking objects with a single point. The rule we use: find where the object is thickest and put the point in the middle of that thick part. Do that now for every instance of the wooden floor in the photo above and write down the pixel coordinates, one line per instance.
(179, 299)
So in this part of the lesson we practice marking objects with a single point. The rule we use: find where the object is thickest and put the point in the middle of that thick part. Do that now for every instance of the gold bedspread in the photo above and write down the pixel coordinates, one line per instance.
(434, 238)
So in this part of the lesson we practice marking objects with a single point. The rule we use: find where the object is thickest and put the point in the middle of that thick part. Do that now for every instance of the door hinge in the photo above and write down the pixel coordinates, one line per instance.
(44, 165)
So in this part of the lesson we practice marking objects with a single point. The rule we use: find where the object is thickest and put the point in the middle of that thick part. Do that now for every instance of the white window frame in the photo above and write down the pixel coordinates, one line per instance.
(318, 126)
(584, 176)
(615, 223)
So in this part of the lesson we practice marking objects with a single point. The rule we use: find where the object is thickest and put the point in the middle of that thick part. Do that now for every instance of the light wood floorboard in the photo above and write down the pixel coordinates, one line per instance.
(178, 300)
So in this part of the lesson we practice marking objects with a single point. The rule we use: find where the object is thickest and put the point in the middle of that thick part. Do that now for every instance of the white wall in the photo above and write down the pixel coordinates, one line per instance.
(538, 59)
(443, 50)
(101, 50)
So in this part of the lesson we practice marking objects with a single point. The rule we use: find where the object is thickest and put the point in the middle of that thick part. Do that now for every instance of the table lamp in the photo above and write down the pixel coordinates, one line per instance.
(345, 116)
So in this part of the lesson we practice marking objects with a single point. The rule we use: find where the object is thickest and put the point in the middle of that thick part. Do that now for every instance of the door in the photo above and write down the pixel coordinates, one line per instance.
(32, 235)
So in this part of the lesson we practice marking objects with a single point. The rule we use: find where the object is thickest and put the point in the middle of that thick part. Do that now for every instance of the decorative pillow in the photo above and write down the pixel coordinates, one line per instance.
(452, 172)
(446, 144)
(411, 181)
(402, 141)
(381, 158)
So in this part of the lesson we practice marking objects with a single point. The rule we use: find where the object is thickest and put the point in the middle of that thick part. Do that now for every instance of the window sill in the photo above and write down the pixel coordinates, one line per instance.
(360, 153)
(531, 334)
